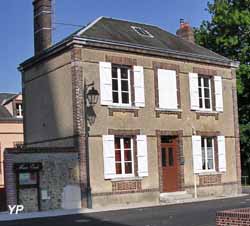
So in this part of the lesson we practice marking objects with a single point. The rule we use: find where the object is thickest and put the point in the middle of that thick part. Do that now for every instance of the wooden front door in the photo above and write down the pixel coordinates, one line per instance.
(170, 164)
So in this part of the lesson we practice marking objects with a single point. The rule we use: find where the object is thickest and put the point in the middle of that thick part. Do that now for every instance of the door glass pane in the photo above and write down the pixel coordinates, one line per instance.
(163, 157)
(170, 157)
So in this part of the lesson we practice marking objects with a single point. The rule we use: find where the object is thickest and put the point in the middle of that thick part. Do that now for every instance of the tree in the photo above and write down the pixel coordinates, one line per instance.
(228, 33)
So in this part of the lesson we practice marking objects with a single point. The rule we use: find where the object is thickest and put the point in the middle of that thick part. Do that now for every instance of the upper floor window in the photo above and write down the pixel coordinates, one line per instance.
(19, 110)
(207, 147)
(115, 85)
(121, 93)
(205, 100)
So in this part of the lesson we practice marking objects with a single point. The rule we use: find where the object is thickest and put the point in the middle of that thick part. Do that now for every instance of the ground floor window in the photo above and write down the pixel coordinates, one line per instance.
(207, 147)
(124, 161)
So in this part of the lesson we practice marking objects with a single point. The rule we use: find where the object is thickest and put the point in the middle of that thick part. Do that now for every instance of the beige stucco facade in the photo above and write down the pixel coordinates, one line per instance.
(50, 121)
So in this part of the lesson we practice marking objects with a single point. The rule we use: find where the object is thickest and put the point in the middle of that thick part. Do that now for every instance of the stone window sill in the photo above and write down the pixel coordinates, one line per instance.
(126, 179)
(206, 114)
(207, 173)
(123, 109)
(160, 111)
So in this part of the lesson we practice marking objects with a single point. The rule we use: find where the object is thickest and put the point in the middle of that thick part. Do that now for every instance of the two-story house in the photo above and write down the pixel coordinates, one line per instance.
(165, 122)
(11, 131)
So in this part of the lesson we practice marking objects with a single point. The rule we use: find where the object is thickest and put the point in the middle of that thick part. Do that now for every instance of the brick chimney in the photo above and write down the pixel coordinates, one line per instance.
(42, 25)
(185, 31)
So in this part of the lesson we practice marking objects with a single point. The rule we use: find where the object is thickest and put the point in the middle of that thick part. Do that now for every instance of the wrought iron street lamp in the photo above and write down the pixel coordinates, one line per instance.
(90, 99)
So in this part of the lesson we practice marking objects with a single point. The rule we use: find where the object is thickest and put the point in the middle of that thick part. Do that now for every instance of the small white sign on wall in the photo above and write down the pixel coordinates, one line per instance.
(44, 194)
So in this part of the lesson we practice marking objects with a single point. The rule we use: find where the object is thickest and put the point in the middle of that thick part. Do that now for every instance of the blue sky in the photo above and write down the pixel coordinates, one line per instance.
(16, 40)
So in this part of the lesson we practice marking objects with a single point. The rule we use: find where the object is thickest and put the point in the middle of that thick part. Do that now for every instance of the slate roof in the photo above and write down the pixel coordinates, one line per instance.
(121, 31)
(4, 113)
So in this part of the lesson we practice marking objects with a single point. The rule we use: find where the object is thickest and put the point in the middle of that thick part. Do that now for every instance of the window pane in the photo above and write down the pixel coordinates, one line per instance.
(163, 157)
(202, 142)
(118, 155)
(125, 98)
(200, 103)
(124, 73)
(114, 72)
(115, 97)
(127, 143)
(206, 82)
(209, 142)
(117, 143)
(206, 93)
(207, 103)
(199, 81)
(128, 167)
(114, 84)
(210, 164)
(210, 153)
(170, 157)
(200, 92)
(118, 167)
(127, 155)
(124, 85)
(203, 159)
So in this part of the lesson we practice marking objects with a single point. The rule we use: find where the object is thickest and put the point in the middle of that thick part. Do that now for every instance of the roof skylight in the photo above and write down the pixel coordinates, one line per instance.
(141, 31)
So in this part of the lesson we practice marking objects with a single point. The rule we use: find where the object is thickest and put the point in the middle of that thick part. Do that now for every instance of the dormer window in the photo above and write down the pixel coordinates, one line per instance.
(19, 110)
(142, 32)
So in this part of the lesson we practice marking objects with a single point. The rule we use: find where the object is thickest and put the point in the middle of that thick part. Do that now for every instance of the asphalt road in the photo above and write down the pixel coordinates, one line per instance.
(194, 214)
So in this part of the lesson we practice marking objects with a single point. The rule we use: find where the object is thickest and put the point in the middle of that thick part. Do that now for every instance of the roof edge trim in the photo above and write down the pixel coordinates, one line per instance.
(89, 26)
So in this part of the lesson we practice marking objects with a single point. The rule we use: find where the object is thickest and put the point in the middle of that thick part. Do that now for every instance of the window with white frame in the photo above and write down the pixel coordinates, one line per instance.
(124, 156)
(121, 93)
(19, 110)
(207, 148)
(205, 99)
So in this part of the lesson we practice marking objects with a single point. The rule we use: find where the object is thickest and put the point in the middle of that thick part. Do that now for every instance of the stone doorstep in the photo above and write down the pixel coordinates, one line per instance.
(5, 216)
(177, 197)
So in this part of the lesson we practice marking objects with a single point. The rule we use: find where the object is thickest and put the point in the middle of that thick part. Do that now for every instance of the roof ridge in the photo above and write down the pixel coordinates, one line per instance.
(89, 26)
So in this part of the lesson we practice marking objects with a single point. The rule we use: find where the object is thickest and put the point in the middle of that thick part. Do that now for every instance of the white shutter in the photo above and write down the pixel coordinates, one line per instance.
(139, 86)
(222, 153)
(167, 89)
(218, 93)
(142, 155)
(194, 91)
(109, 156)
(106, 83)
(197, 153)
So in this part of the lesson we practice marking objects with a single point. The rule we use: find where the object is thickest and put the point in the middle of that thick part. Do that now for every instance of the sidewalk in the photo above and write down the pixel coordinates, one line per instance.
(5, 216)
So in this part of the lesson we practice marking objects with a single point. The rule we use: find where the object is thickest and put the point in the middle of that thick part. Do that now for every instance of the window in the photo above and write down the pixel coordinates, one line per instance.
(205, 100)
(207, 147)
(19, 110)
(28, 178)
(124, 156)
(143, 32)
(121, 85)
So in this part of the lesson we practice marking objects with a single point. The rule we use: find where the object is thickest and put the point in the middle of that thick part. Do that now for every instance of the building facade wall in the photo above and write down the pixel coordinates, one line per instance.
(10, 135)
(147, 122)
(52, 123)
(48, 93)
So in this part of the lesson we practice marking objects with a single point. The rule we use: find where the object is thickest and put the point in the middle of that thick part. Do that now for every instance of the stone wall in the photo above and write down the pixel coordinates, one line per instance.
(60, 169)
(237, 217)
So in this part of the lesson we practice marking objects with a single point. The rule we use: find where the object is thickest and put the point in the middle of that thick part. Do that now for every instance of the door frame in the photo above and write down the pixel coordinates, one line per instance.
(179, 135)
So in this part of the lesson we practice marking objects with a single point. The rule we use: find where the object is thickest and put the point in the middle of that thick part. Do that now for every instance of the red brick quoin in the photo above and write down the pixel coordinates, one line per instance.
(236, 217)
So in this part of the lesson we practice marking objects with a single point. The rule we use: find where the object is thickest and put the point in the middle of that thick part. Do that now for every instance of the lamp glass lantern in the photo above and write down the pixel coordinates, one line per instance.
(92, 96)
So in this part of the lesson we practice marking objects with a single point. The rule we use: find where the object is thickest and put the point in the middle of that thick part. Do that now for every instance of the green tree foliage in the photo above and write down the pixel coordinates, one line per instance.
(228, 33)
